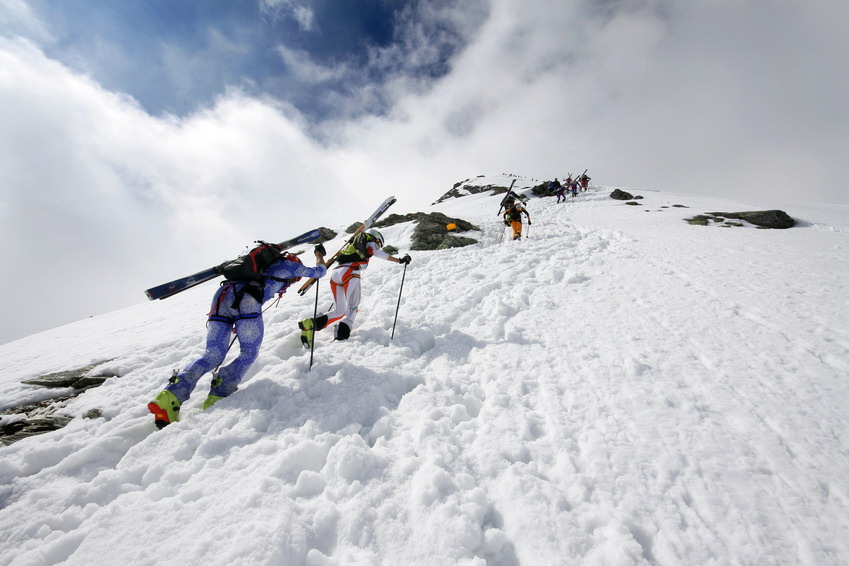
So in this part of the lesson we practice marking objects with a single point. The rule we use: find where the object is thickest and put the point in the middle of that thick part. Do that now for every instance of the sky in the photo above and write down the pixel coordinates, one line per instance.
(141, 141)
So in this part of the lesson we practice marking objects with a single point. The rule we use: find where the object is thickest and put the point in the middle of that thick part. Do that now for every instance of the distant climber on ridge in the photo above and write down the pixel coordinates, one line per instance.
(558, 189)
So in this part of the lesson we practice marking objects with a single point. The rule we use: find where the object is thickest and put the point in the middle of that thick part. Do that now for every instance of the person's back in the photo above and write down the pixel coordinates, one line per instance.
(514, 214)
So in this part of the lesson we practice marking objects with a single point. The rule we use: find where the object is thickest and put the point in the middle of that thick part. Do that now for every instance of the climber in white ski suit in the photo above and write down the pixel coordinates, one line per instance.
(345, 286)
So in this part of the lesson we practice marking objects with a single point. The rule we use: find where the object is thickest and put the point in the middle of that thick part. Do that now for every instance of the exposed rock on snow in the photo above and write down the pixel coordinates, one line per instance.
(700, 220)
(461, 190)
(326, 235)
(27, 420)
(541, 190)
(619, 194)
(763, 218)
(431, 231)
(76, 378)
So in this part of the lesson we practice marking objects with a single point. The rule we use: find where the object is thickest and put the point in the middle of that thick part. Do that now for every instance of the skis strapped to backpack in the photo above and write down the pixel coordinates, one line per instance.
(507, 197)
(178, 285)
(365, 226)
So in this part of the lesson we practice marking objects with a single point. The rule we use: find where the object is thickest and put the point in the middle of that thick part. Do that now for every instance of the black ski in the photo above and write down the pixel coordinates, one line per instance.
(507, 197)
(173, 287)
(366, 225)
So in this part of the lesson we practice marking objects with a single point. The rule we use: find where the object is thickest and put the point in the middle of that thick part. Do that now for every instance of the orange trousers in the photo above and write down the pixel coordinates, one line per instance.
(517, 229)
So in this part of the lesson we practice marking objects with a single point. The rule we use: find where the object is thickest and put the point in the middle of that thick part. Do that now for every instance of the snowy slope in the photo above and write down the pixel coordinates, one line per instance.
(620, 388)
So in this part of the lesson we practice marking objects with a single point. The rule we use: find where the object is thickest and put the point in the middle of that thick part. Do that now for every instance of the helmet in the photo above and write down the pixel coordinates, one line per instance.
(377, 236)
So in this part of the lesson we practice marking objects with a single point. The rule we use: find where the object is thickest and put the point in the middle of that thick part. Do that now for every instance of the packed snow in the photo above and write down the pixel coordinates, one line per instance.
(618, 388)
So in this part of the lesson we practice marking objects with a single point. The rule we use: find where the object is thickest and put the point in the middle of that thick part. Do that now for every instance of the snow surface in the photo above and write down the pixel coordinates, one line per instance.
(619, 388)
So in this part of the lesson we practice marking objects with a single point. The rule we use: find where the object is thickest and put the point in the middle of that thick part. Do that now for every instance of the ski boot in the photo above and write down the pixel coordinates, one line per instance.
(343, 331)
(307, 327)
(210, 401)
(165, 408)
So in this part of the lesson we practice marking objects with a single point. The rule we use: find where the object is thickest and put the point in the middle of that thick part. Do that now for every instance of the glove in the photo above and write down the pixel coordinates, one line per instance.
(506, 222)
(319, 249)
(529, 221)
(405, 260)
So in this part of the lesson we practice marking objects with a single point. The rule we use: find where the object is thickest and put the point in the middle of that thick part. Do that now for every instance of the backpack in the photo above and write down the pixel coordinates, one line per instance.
(356, 250)
(515, 212)
(249, 266)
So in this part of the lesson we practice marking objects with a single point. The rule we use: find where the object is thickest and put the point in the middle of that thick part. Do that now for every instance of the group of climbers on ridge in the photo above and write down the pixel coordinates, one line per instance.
(237, 308)
(512, 204)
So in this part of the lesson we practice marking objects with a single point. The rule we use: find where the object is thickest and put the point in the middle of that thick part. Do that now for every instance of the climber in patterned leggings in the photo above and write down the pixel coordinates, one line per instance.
(236, 305)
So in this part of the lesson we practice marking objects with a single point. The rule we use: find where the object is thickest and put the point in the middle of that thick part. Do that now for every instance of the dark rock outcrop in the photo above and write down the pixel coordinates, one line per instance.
(619, 194)
(44, 416)
(77, 379)
(762, 219)
(326, 235)
(700, 220)
(777, 219)
(394, 219)
(460, 190)
(542, 190)
(431, 232)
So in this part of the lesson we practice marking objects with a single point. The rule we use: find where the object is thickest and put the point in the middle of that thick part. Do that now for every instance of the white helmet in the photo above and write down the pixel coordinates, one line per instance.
(377, 236)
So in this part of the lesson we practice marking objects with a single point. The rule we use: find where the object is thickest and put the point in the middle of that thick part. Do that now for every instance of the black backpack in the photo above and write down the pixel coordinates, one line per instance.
(249, 266)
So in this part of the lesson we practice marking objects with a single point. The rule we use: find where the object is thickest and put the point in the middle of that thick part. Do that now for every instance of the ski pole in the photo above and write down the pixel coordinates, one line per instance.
(314, 315)
(398, 306)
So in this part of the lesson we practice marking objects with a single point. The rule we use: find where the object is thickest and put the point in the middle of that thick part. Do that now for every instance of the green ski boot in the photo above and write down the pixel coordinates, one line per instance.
(210, 401)
(165, 408)
(307, 327)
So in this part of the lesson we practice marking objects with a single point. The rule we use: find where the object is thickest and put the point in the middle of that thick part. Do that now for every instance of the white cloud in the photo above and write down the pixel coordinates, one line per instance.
(17, 18)
(712, 97)
(100, 199)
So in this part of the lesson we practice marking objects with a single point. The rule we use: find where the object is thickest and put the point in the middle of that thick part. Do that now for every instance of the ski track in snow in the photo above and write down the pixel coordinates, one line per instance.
(616, 389)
